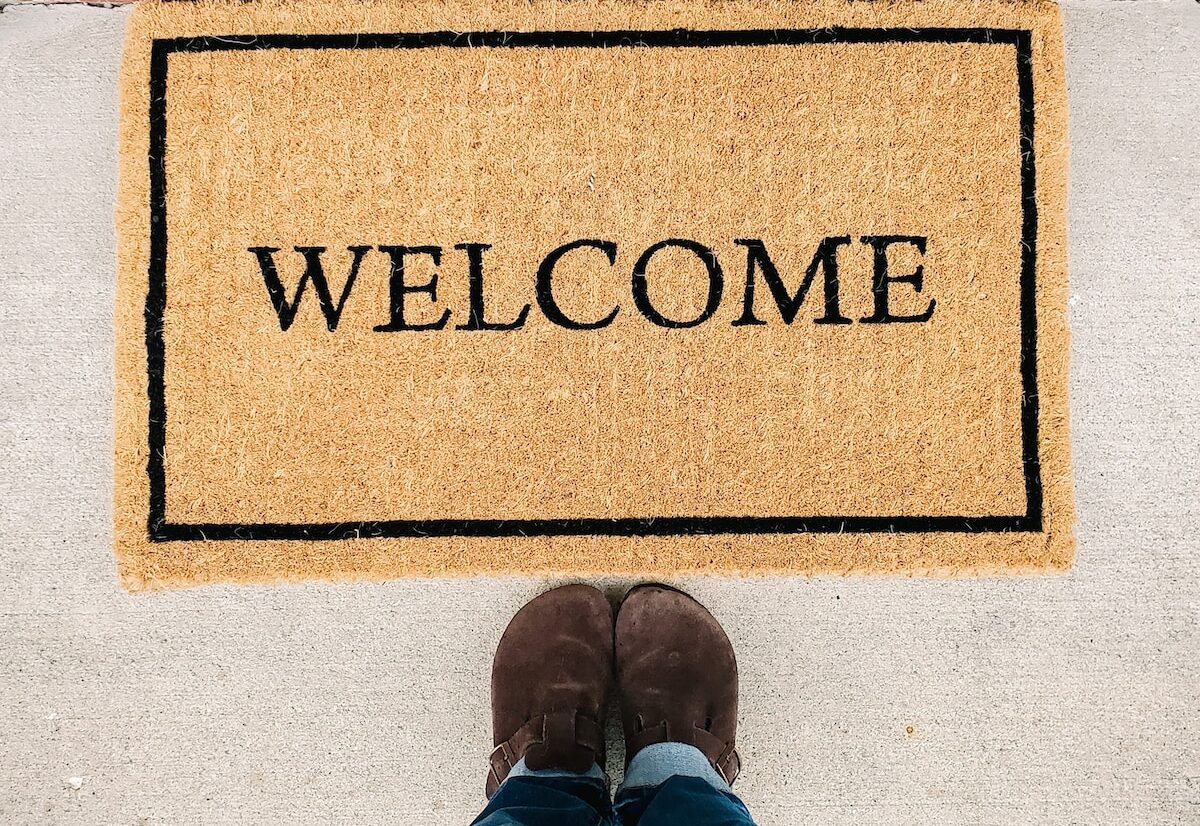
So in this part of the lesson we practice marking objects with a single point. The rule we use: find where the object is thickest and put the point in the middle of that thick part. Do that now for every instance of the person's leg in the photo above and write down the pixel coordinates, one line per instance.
(677, 678)
(550, 685)
(550, 797)
(673, 784)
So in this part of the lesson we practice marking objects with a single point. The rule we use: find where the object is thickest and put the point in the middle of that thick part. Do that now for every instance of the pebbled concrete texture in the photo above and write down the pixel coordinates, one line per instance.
(1052, 700)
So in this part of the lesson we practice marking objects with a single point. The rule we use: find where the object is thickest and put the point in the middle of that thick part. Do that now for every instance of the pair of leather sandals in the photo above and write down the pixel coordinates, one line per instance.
(562, 656)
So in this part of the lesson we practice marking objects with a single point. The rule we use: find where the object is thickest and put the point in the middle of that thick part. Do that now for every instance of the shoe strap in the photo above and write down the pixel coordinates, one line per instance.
(555, 740)
(721, 755)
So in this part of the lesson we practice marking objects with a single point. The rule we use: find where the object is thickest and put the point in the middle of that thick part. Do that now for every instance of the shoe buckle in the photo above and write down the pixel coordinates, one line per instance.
(505, 754)
(723, 759)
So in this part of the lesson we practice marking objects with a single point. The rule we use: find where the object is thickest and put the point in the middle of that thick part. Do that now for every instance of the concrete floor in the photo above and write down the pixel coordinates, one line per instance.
(1053, 700)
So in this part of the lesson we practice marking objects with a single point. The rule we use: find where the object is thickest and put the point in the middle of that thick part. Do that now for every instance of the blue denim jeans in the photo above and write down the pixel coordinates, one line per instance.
(668, 784)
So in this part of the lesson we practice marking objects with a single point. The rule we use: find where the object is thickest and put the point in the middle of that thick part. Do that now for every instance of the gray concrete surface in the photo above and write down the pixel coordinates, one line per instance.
(1070, 699)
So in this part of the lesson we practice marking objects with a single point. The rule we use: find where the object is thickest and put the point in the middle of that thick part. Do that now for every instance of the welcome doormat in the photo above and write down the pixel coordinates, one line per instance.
(433, 288)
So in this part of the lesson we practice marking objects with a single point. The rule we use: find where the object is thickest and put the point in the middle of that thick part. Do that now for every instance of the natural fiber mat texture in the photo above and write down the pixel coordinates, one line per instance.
(429, 288)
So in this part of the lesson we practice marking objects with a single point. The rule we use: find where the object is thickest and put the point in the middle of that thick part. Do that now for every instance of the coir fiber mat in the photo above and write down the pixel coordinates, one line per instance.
(438, 287)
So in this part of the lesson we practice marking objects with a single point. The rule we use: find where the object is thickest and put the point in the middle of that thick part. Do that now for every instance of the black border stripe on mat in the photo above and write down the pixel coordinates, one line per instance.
(156, 296)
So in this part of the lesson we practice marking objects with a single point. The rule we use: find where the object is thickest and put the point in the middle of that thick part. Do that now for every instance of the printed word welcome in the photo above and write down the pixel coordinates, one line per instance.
(709, 280)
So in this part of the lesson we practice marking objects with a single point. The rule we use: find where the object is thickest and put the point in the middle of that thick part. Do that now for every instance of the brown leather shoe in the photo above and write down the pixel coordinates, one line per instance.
(677, 676)
(550, 684)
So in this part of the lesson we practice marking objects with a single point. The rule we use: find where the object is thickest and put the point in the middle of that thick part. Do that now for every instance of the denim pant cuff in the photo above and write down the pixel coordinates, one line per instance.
(654, 764)
(594, 773)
